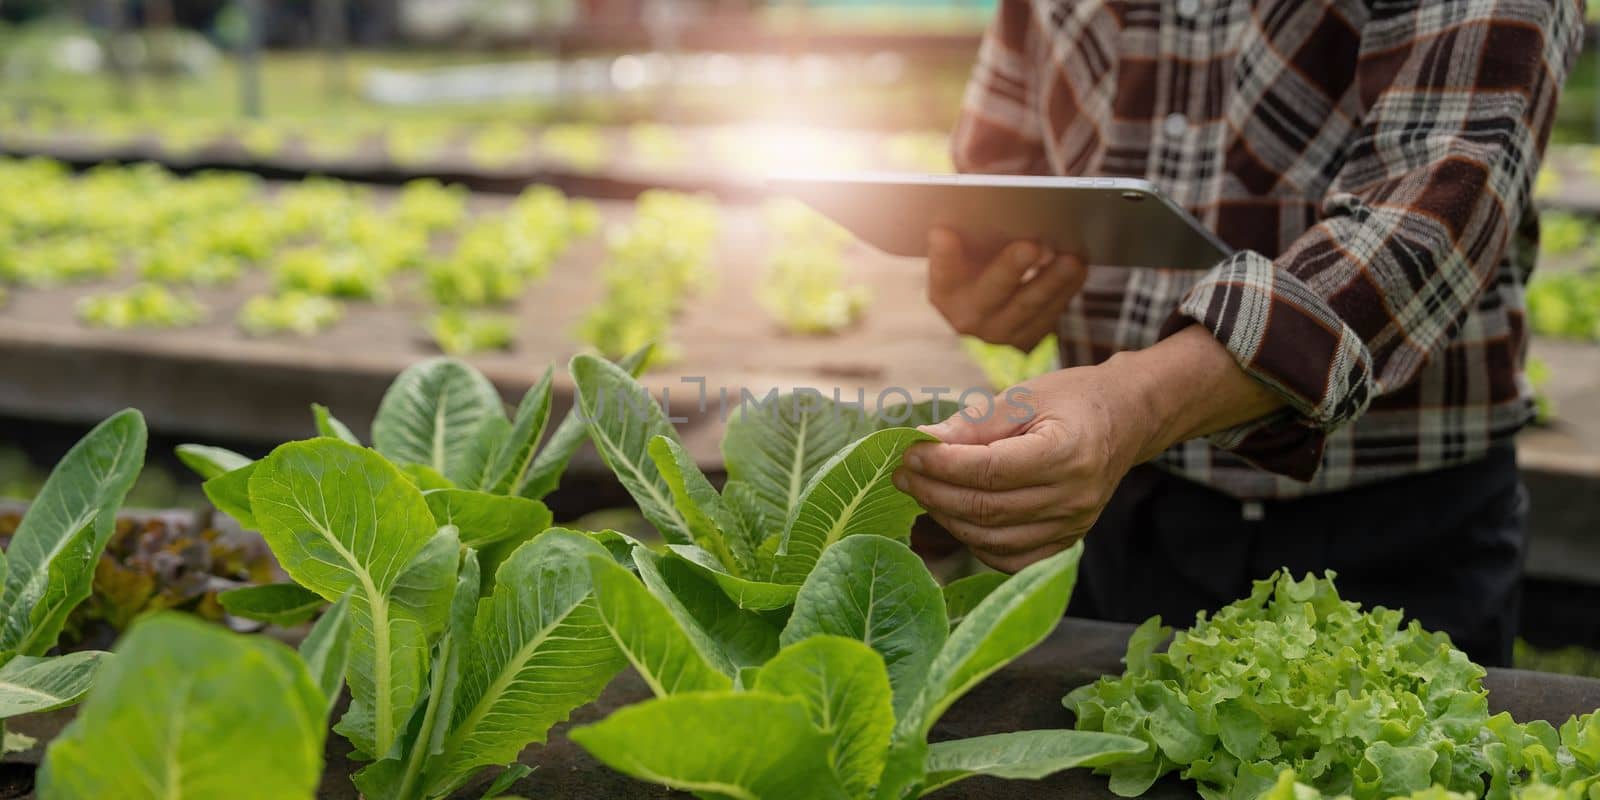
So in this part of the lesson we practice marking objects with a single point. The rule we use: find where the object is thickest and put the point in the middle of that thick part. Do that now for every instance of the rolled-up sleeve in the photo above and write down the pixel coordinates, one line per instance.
(1457, 100)
(999, 131)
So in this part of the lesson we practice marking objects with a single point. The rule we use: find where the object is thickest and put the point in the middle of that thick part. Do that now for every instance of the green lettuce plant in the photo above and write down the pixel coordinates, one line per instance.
(653, 266)
(582, 146)
(218, 715)
(1533, 761)
(804, 288)
(499, 145)
(1351, 702)
(803, 474)
(146, 305)
(868, 664)
(1005, 366)
(445, 679)
(431, 206)
(458, 332)
(49, 567)
(469, 615)
(294, 312)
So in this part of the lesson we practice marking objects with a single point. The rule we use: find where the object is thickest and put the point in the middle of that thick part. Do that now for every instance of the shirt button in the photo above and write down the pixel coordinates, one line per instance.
(1174, 125)
(1188, 8)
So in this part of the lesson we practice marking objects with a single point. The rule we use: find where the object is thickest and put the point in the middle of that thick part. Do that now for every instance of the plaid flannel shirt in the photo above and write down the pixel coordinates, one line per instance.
(1372, 163)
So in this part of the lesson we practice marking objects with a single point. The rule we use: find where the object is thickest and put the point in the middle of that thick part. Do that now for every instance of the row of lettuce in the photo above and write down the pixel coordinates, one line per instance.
(789, 655)
(794, 646)
(325, 244)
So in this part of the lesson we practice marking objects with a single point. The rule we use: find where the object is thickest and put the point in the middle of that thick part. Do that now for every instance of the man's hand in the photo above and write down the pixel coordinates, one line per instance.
(1030, 477)
(1018, 489)
(1014, 299)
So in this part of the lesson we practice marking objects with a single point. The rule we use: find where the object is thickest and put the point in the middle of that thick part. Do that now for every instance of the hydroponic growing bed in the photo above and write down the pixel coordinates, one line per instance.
(812, 657)
(241, 386)
(1025, 695)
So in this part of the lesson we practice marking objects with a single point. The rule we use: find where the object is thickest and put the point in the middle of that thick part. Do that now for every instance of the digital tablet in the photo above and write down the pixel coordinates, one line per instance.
(1114, 222)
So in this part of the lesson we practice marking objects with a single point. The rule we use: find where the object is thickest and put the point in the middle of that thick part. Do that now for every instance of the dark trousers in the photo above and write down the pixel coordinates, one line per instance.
(1446, 546)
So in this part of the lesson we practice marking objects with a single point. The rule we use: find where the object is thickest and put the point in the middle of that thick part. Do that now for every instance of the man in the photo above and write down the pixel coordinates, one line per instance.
(1340, 394)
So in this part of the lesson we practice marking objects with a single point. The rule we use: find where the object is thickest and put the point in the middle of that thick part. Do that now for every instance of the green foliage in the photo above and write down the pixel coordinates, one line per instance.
(182, 261)
(1536, 761)
(803, 287)
(499, 145)
(1358, 704)
(429, 205)
(217, 715)
(1565, 304)
(49, 567)
(1005, 366)
(415, 143)
(1561, 233)
(499, 256)
(294, 312)
(441, 685)
(805, 473)
(824, 717)
(340, 272)
(274, 603)
(144, 306)
(652, 268)
(261, 139)
(320, 240)
(459, 333)
(582, 146)
(455, 662)
(1547, 184)
(61, 260)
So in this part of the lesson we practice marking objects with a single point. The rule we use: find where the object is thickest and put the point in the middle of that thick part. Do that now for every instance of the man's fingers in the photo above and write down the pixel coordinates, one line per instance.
(1000, 279)
(948, 271)
(1009, 507)
(1011, 540)
(1030, 337)
(1016, 462)
(1042, 298)
(977, 423)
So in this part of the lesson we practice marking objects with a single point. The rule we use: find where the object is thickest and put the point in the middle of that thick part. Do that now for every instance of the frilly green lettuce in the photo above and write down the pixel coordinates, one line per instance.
(1294, 681)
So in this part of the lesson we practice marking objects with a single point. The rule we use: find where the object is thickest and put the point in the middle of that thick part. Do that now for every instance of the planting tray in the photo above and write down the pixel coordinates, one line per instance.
(213, 382)
(1025, 695)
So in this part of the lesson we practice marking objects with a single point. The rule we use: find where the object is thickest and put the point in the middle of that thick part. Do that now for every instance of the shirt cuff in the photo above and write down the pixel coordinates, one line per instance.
(1285, 335)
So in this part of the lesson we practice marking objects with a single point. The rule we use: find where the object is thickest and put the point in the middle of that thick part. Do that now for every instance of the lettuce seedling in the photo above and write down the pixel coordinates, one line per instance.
(803, 474)
(49, 567)
(844, 709)
(218, 714)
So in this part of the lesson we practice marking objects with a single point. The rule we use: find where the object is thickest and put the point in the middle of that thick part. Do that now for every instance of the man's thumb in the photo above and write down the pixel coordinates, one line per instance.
(975, 424)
